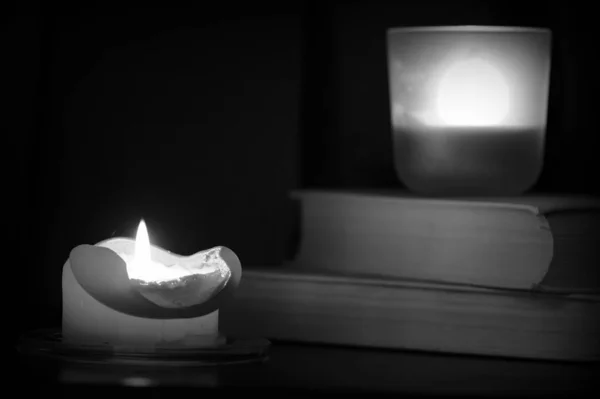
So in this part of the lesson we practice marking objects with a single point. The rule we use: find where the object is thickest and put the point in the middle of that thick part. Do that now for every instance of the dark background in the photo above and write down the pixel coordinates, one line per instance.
(202, 119)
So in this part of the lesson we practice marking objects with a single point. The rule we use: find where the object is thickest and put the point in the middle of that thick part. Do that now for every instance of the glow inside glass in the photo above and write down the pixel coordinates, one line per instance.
(468, 107)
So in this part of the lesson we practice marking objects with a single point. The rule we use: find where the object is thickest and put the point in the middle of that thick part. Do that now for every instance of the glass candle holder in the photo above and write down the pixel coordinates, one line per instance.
(468, 107)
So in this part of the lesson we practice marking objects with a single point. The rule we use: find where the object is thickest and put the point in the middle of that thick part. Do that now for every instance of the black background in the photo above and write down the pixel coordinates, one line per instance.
(202, 119)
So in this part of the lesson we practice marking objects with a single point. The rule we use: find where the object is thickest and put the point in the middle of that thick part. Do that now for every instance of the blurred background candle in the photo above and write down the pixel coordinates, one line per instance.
(469, 107)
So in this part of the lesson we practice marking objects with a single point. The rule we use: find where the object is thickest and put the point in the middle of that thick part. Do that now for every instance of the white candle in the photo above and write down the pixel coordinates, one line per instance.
(126, 293)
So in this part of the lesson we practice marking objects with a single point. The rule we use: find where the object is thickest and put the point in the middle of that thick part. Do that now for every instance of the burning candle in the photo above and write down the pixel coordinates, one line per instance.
(130, 294)
(468, 107)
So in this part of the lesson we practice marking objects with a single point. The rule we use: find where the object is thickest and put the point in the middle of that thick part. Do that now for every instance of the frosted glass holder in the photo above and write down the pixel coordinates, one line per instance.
(468, 107)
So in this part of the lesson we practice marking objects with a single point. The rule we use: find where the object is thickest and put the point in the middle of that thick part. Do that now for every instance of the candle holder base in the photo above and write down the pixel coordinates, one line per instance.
(49, 343)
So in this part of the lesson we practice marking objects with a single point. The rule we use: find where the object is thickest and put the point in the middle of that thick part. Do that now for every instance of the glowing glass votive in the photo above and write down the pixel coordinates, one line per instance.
(468, 107)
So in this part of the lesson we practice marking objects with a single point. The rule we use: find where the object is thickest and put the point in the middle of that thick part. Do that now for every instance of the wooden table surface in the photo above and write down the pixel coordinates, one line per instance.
(311, 369)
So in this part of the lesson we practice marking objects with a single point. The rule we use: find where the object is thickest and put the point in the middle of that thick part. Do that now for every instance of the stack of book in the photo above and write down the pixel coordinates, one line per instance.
(515, 277)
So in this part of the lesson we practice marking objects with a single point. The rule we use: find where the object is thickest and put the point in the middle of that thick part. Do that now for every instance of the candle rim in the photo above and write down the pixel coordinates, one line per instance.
(106, 280)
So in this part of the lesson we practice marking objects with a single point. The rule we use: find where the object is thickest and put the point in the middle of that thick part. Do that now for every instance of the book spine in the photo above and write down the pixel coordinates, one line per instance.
(343, 313)
(509, 248)
(546, 230)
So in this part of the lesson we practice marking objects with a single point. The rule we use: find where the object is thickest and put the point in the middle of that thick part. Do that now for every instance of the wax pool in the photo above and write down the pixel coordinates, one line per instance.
(468, 160)
(87, 320)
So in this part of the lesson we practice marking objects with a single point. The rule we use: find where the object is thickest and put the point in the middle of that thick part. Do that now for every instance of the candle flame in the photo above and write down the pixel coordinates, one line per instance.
(140, 266)
(142, 245)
